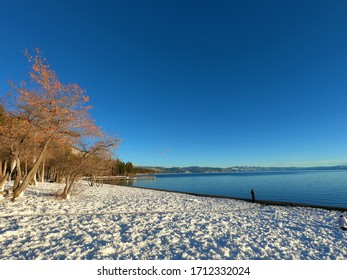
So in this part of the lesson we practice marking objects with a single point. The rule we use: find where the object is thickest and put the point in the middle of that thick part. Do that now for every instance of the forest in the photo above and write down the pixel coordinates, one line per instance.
(119, 167)
(47, 134)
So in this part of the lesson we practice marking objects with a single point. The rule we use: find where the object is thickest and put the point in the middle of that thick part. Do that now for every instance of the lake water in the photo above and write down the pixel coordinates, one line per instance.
(319, 188)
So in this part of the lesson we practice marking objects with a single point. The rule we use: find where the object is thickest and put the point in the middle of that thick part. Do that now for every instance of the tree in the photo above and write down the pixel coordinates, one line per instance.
(48, 112)
(44, 127)
(14, 135)
(129, 168)
(119, 168)
(99, 150)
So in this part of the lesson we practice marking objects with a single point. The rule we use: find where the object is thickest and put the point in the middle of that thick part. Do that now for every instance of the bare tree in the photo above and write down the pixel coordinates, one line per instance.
(98, 151)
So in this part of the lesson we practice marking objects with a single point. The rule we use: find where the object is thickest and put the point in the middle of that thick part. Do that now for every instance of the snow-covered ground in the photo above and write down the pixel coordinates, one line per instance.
(115, 222)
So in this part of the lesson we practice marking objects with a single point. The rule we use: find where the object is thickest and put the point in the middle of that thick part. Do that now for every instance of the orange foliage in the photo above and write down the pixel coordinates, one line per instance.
(55, 109)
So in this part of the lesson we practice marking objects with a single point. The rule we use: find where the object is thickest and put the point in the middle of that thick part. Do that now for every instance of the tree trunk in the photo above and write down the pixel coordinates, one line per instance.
(12, 166)
(26, 168)
(91, 180)
(1, 174)
(4, 168)
(59, 177)
(65, 193)
(33, 181)
(41, 173)
(54, 176)
(3, 181)
(49, 173)
(18, 174)
(69, 184)
(32, 172)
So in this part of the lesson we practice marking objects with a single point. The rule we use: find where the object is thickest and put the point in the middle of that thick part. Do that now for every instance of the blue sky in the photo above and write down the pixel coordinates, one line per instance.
(209, 83)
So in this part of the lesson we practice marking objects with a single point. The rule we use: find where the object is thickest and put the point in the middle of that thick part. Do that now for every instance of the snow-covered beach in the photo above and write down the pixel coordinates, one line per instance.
(116, 222)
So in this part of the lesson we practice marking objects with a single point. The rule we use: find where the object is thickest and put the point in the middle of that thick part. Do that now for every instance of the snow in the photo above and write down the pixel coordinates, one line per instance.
(116, 222)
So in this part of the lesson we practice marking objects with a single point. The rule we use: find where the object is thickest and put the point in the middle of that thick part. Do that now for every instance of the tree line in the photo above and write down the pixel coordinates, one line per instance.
(47, 133)
(120, 168)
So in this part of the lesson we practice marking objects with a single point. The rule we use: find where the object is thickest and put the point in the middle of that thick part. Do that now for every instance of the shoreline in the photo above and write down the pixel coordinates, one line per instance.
(261, 202)
(117, 222)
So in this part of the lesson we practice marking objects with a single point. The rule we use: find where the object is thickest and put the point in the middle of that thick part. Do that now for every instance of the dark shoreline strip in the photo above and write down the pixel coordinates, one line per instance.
(262, 202)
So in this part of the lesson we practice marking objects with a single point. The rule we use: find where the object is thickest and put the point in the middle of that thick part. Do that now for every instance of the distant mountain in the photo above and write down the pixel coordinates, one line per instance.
(198, 169)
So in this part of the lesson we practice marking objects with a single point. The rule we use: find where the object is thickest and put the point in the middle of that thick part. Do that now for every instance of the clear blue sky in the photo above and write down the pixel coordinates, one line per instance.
(209, 83)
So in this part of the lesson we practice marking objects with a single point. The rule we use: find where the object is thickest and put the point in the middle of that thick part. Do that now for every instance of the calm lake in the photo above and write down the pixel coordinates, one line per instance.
(319, 188)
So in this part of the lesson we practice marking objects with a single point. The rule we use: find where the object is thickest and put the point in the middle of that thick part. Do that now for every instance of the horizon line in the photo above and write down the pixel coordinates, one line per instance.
(255, 166)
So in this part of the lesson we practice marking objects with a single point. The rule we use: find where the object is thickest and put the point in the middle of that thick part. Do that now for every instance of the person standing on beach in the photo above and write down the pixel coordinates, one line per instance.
(342, 222)
(253, 195)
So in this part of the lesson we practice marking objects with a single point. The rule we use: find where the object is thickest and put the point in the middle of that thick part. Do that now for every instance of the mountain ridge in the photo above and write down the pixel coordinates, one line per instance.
(248, 168)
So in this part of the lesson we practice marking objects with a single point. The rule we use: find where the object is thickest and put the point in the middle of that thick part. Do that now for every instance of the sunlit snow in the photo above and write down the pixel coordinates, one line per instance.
(114, 222)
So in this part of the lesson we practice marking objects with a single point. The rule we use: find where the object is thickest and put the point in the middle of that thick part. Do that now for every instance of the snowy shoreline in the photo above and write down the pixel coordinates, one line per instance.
(118, 222)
